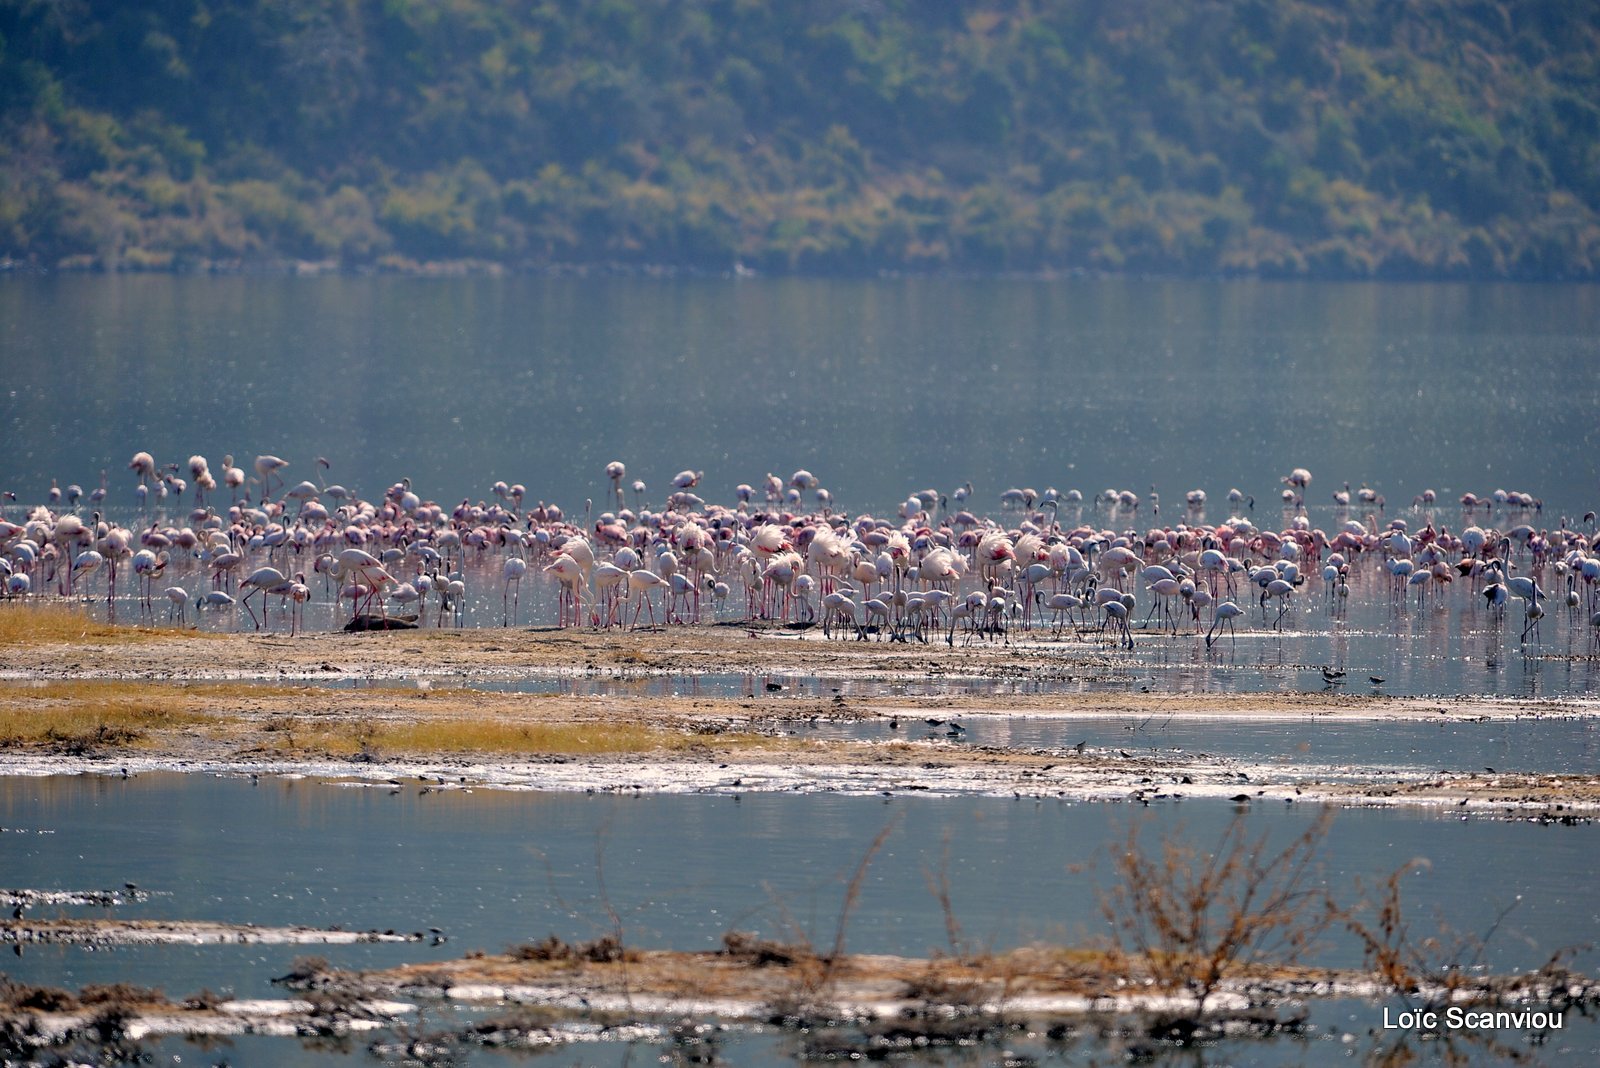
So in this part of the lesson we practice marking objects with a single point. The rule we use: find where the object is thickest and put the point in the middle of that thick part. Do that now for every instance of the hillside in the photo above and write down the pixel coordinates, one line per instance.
(1435, 138)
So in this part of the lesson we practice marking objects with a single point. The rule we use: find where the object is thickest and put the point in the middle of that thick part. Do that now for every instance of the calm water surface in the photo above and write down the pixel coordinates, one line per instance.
(879, 387)
(495, 869)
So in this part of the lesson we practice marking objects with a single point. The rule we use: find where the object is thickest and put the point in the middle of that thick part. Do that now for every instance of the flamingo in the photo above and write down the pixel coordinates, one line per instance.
(962, 612)
(87, 563)
(512, 571)
(1226, 613)
(878, 615)
(1117, 611)
(1030, 579)
(404, 595)
(644, 582)
(147, 567)
(260, 581)
(299, 593)
(143, 465)
(608, 579)
(842, 605)
(367, 576)
(1533, 611)
(1524, 587)
(1494, 596)
(232, 477)
(177, 601)
(68, 535)
(780, 575)
(616, 471)
(223, 566)
(1062, 606)
(1281, 589)
(268, 466)
(569, 575)
(684, 590)
(213, 599)
(455, 595)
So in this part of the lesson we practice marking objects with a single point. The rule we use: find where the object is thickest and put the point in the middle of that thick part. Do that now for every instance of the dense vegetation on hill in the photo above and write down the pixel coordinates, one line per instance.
(1436, 138)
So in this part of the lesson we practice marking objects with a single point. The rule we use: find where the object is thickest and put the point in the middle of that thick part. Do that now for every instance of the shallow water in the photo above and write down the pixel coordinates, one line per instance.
(881, 388)
(1452, 645)
(1313, 746)
(1318, 743)
(494, 869)
(1337, 1033)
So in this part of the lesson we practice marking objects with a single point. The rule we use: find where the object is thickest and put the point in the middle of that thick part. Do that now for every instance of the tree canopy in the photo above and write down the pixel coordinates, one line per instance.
(1321, 138)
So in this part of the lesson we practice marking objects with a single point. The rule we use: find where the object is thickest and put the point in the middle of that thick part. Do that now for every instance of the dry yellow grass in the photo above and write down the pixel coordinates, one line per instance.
(106, 712)
(110, 712)
(567, 738)
(126, 693)
(119, 721)
(56, 623)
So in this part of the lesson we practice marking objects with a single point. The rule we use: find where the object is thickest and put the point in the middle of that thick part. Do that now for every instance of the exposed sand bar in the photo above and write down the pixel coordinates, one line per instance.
(443, 657)
(756, 979)
(246, 704)
(119, 932)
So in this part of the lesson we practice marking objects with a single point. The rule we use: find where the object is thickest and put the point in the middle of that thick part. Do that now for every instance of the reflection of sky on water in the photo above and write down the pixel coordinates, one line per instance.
(880, 387)
(493, 868)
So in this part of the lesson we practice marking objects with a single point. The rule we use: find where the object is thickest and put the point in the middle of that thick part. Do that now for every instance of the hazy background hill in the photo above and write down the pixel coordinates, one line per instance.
(1431, 138)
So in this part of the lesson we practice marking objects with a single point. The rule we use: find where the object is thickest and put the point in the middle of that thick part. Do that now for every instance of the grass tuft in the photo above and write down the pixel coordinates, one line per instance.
(85, 715)
(57, 623)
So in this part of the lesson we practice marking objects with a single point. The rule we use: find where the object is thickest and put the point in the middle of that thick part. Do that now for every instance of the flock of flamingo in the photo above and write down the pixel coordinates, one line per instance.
(937, 569)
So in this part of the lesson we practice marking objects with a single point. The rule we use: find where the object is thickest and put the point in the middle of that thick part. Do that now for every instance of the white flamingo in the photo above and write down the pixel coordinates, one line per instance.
(644, 582)
(260, 581)
(512, 571)
(1227, 612)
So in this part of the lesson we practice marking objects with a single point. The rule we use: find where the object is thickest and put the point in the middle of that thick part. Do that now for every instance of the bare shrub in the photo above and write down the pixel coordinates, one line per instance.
(607, 949)
(1445, 966)
(120, 994)
(759, 952)
(304, 973)
(809, 995)
(14, 995)
(1192, 918)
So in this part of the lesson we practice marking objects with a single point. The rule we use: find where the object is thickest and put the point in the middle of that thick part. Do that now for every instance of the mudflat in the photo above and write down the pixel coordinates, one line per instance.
(440, 706)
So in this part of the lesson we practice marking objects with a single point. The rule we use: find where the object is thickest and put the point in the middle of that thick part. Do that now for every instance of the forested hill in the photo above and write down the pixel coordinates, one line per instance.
(1369, 138)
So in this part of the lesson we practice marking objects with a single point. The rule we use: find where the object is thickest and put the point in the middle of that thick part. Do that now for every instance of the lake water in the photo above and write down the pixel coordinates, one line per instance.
(880, 388)
(495, 869)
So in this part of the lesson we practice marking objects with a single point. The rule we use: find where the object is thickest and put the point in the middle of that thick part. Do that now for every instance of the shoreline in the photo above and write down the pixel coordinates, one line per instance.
(552, 993)
(1543, 799)
(245, 704)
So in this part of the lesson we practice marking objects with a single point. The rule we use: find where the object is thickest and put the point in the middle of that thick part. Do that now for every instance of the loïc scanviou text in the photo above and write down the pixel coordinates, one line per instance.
(1457, 1018)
